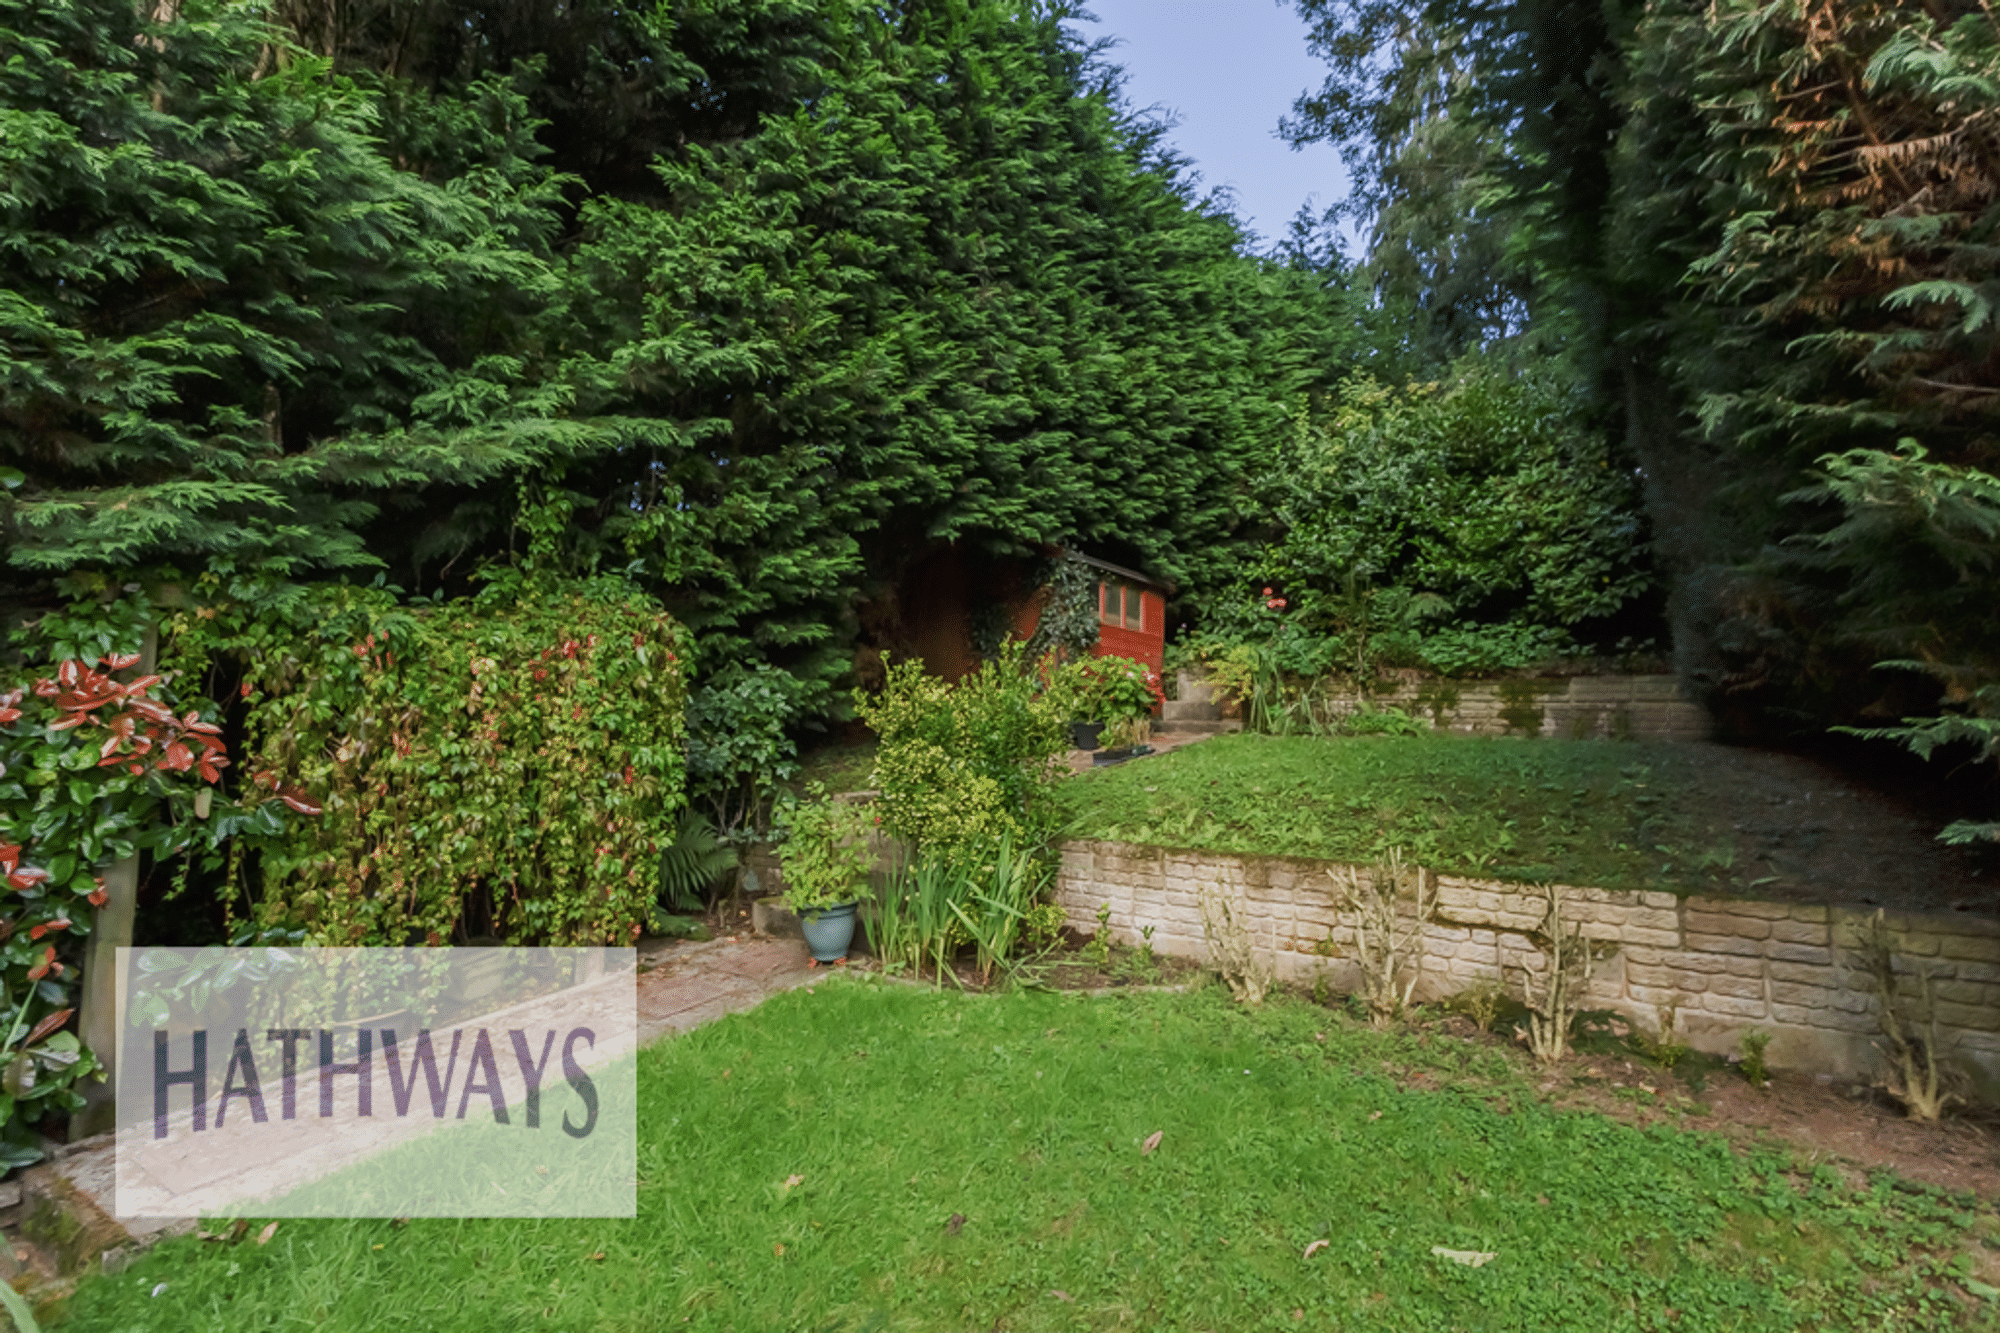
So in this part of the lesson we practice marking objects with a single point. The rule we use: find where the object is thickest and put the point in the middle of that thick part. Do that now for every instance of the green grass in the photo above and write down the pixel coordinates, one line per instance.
(1600, 813)
(1023, 1117)
(838, 766)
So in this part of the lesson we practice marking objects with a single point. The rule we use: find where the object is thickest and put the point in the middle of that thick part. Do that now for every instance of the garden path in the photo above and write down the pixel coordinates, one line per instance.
(681, 985)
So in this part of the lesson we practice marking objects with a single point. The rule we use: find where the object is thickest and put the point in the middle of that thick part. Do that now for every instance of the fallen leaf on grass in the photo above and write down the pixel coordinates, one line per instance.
(1374, 1115)
(264, 1236)
(1062, 1295)
(779, 1249)
(956, 1225)
(1315, 1247)
(1152, 1142)
(790, 1181)
(1470, 1258)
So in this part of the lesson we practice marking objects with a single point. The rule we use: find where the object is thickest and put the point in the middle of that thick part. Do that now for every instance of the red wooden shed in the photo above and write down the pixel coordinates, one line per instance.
(933, 611)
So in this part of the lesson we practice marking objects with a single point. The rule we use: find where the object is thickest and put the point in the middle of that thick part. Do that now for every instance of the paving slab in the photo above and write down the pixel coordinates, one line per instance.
(1164, 741)
(681, 985)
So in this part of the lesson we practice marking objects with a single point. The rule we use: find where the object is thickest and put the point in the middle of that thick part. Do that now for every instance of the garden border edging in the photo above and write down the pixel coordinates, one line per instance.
(1728, 965)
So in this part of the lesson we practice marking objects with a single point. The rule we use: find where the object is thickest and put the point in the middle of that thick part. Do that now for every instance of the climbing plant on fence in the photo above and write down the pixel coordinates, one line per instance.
(510, 763)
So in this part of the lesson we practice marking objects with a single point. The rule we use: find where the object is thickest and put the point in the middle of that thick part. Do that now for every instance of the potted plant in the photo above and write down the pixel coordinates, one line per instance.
(826, 859)
(1118, 695)
(1125, 739)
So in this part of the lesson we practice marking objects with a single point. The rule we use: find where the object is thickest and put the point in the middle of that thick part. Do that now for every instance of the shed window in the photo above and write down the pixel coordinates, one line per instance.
(1121, 603)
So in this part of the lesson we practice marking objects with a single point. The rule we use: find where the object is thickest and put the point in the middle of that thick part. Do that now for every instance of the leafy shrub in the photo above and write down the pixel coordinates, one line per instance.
(517, 755)
(1479, 1002)
(1112, 689)
(1464, 650)
(960, 766)
(1482, 499)
(738, 751)
(825, 854)
(1231, 669)
(93, 769)
(1043, 927)
(1750, 1047)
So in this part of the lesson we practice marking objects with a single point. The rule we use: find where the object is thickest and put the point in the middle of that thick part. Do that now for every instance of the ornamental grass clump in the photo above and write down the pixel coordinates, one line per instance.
(929, 910)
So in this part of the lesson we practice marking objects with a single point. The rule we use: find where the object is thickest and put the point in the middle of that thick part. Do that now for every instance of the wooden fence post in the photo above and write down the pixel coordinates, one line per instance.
(98, 1021)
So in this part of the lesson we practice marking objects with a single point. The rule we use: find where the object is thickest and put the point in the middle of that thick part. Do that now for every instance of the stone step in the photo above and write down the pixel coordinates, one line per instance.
(1190, 710)
(1193, 689)
(1199, 727)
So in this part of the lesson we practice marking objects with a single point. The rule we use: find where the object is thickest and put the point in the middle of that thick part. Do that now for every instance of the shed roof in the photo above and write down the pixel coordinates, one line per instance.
(1119, 570)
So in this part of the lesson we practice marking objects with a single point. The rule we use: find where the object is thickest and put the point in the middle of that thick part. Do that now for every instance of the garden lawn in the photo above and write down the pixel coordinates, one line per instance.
(870, 1156)
(1616, 815)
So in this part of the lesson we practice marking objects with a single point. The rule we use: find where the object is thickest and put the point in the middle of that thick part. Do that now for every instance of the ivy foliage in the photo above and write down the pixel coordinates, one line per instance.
(507, 764)
(1070, 617)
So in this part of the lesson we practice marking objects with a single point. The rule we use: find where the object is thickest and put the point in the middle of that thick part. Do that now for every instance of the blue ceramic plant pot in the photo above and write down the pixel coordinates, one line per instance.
(829, 931)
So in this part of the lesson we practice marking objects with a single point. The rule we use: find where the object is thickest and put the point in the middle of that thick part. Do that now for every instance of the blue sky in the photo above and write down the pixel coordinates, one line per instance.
(1227, 70)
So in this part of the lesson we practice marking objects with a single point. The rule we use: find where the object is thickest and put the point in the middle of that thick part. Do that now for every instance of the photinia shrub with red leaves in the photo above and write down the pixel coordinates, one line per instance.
(91, 768)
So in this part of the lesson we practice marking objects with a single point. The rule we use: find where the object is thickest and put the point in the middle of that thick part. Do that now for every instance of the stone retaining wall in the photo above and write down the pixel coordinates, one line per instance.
(1728, 965)
(1641, 707)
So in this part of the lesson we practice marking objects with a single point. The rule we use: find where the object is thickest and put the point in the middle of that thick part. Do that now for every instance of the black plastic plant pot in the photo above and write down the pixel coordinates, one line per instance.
(1083, 735)
(1106, 758)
